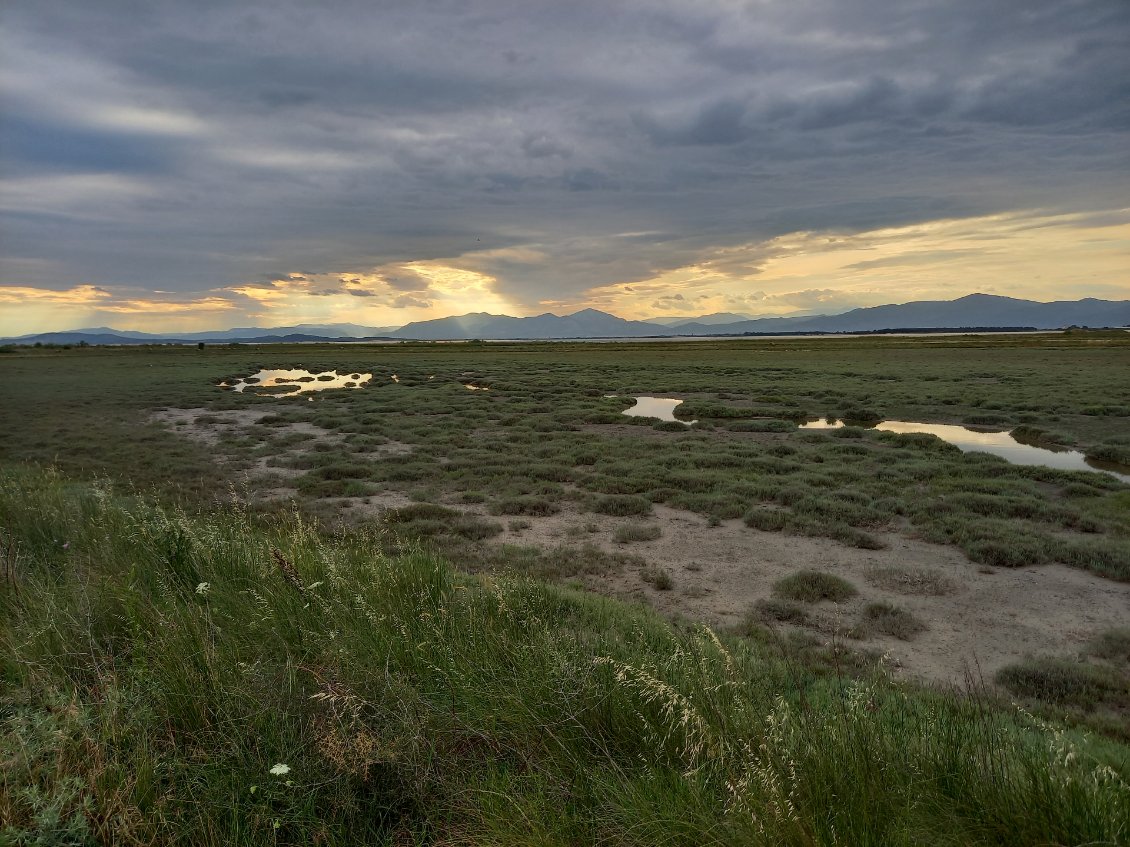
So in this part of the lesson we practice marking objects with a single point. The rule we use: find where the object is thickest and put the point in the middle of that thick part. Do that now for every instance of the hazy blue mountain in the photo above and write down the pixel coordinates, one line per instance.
(321, 330)
(90, 337)
(974, 310)
(713, 319)
(588, 323)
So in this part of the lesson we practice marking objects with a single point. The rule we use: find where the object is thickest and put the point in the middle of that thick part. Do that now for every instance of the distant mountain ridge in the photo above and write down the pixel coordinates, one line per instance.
(971, 311)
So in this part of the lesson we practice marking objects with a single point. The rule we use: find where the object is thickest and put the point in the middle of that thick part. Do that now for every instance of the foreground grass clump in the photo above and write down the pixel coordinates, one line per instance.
(1095, 695)
(814, 586)
(214, 680)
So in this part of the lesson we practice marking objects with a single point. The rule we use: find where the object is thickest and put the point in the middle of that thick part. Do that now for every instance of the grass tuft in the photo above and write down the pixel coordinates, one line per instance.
(814, 586)
(633, 532)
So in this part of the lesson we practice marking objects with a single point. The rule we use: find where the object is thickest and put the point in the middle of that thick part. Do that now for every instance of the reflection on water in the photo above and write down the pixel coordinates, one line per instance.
(997, 443)
(470, 386)
(655, 407)
(291, 383)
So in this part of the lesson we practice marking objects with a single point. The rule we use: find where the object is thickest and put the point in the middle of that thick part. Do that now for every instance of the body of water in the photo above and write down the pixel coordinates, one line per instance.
(291, 383)
(997, 443)
(655, 407)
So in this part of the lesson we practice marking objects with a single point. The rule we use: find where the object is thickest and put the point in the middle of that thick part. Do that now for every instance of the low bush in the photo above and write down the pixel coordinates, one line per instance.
(524, 505)
(1112, 646)
(636, 532)
(1062, 682)
(770, 610)
(887, 619)
(658, 578)
(622, 505)
(814, 586)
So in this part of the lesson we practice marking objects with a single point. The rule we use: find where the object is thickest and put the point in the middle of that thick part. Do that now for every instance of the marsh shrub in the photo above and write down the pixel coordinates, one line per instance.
(419, 511)
(762, 425)
(1066, 683)
(524, 505)
(1039, 435)
(779, 611)
(622, 505)
(474, 529)
(658, 578)
(1113, 646)
(767, 520)
(813, 586)
(888, 619)
(636, 532)
(1110, 451)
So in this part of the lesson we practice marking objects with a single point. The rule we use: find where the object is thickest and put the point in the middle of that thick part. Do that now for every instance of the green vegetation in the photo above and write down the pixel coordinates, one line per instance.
(1112, 646)
(306, 689)
(545, 438)
(814, 586)
(345, 585)
(771, 610)
(1064, 682)
(632, 532)
(887, 619)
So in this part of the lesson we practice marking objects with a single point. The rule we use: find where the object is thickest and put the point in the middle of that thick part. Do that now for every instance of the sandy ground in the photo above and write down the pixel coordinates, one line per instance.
(990, 618)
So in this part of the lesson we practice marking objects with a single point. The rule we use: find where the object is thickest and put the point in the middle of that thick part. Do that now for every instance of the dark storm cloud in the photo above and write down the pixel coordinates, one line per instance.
(220, 141)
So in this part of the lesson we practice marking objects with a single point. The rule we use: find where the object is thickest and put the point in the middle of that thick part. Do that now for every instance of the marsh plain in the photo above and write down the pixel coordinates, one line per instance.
(848, 550)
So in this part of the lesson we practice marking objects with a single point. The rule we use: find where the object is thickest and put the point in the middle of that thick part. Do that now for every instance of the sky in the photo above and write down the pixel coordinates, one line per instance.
(177, 166)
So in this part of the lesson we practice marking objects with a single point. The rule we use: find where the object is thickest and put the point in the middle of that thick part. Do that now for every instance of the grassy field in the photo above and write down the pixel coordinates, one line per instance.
(382, 612)
(212, 679)
(546, 435)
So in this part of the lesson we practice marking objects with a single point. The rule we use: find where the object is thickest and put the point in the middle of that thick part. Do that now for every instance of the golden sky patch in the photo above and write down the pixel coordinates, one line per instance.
(1026, 255)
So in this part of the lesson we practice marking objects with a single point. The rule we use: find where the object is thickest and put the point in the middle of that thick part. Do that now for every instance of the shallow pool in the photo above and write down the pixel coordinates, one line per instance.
(997, 443)
(291, 383)
(656, 407)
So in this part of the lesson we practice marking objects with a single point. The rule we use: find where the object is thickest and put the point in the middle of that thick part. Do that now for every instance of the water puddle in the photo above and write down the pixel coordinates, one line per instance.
(655, 407)
(395, 379)
(470, 386)
(291, 383)
(997, 443)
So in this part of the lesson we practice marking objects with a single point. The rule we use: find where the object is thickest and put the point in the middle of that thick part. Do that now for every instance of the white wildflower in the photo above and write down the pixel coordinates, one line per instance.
(280, 769)
(203, 588)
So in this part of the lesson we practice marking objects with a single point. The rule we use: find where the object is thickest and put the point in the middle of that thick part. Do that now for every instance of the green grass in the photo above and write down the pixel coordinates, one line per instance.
(658, 578)
(772, 610)
(1067, 683)
(887, 619)
(1112, 646)
(814, 586)
(545, 435)
(622, 505)
(633, 532)
(156, 666)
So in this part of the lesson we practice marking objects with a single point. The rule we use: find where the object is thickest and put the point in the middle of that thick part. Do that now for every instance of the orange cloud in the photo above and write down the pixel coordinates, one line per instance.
(1019, 254)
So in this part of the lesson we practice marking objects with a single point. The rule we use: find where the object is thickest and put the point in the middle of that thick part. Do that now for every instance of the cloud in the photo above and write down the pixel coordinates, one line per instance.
(406, 301)
(552, 149)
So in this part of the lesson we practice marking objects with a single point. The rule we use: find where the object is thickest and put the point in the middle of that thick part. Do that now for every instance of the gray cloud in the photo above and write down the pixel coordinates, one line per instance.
(220, 142)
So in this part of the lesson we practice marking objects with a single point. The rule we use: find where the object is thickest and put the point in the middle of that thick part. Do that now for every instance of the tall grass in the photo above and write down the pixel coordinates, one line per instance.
(158, 671)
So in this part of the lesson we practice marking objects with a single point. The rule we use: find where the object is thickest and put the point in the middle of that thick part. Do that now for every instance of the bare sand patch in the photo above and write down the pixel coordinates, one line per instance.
(209, 427)
(990, 618)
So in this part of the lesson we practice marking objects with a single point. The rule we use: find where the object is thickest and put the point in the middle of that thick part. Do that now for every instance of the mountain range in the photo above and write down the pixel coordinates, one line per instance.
(975, 311)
